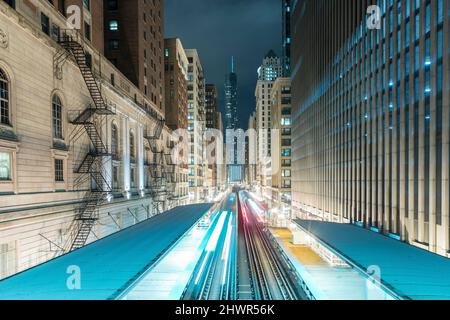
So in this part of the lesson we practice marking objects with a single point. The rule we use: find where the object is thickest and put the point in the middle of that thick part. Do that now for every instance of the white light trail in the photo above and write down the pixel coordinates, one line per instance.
(212, 243)
(226, 251)
(201, 269)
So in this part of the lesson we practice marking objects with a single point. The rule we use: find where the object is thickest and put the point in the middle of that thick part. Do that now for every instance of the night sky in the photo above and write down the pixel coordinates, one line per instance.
(219, 29)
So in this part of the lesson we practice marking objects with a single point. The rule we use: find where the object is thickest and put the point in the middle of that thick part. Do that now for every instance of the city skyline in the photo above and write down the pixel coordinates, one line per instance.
(247, 42)
(118, 183)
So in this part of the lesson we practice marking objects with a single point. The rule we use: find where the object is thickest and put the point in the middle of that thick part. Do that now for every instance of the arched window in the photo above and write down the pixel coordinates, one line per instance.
(57, 117)
(114, 140)
(5, 116)
(132, 145)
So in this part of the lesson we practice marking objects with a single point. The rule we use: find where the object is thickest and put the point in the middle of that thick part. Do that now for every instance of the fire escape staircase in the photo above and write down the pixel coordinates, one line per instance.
(93, 164)
(161, 188)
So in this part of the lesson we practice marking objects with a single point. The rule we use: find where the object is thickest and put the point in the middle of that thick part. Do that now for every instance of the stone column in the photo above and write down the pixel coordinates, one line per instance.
(140, 157)
(126, 154)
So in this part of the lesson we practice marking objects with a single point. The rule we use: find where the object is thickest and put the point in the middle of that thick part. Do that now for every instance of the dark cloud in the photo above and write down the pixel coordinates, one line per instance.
(219, 29)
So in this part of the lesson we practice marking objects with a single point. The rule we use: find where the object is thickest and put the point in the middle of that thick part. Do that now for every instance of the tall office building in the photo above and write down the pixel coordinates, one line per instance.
(271, 67)
(175, 75)
(231, 118)
(371, 117)
(221, 167)
(196, 125)
(251, 153)
(268, 72)
(286, 37)
(211, 123)
(175, 78)
(134, 43)
(211, 106)
(281, 142)
(235, 168)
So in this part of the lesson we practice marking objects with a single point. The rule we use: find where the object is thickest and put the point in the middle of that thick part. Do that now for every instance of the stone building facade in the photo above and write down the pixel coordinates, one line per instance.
(40, 147)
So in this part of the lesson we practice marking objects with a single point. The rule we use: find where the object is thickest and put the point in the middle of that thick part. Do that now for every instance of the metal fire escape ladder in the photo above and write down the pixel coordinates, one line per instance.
(170, 176)
(93, 164)
(158, 189)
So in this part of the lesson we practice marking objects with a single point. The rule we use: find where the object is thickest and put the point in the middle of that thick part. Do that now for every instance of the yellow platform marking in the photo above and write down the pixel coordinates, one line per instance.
(304, 254)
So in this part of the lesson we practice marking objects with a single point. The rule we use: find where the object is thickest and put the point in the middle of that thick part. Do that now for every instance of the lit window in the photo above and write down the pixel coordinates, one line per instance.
(286, 152)
(113, 25)
(286, 121)
(286, 173)
(5, 166)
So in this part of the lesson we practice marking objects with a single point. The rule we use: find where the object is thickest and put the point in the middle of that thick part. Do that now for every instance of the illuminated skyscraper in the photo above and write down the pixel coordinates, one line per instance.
(231, 119)
(371, 117)
(286, 50)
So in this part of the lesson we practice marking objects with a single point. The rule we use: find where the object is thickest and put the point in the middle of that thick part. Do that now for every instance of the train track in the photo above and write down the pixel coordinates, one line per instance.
(269, 280)
(215, 274)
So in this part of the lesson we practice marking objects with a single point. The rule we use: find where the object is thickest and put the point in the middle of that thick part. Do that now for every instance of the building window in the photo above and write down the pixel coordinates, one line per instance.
(114, 140)
(132, 146)
(286, 152)
(5, 166)
(132, 173)
(59, 170)
(55, 32)
(4, 99)
(87, 4)
(112, 5)
(286, 173)
(286, 184)
(286, 121)
(62, 7)
(115, 178)
(113, 44)
(57, 117)
(45, 24)
(113, 25)
(11, 3)
(7, 259)
(286, 142)
(286, 131)
(87, 31)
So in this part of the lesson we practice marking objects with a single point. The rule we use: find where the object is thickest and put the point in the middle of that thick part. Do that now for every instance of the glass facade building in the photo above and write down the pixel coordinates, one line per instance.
(286, 50)
(371, 118)
(231, 119)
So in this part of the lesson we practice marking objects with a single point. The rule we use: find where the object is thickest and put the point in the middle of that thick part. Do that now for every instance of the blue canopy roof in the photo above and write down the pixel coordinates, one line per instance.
(108, 265)
(411, 272)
